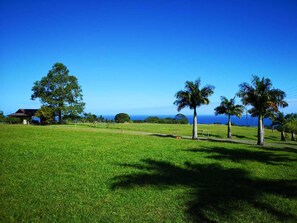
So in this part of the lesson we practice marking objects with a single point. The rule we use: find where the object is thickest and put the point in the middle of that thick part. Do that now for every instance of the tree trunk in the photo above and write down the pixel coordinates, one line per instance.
(292, 136)
(260, 131)
(283, 135)
(194, 135)
(60, 112)
(229, 135)
(60, 117)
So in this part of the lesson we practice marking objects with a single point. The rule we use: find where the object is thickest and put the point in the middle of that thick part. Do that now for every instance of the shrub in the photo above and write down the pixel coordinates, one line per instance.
(181, 119)
(46, 115)
(2, 117)
(13, 120)
(122, 117)
(152, 119)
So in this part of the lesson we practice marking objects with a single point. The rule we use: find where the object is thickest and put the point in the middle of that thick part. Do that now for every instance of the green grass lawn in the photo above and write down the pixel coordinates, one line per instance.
(212, 131)
(100, 174)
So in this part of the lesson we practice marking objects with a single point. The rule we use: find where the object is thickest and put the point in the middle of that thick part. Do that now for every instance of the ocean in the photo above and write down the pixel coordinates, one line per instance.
(245, 120)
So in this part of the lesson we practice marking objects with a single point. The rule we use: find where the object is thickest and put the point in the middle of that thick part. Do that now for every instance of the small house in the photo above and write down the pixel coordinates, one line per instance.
(24, 114)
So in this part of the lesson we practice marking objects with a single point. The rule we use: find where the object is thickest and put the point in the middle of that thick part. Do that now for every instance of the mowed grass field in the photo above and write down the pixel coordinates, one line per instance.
(122, 173)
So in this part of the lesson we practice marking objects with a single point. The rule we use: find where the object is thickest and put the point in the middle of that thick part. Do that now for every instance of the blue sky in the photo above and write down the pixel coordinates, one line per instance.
(133, 56)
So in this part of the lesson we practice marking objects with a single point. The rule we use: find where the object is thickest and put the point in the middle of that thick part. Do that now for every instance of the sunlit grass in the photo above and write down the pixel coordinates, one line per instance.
(204, 130)
(99, 174)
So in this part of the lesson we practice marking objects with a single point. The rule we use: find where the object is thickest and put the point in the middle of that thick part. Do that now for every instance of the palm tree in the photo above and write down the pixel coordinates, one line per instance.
(291, 124)
(279, 120)
(263, 98)
(193, 97)
(229, 108)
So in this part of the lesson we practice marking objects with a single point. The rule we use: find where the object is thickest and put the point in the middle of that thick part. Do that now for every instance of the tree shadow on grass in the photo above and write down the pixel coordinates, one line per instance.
(243, 137)
(164, 135)
(285, 149)
(290, 143)
(239, 155)
(239, 136)
(216, 192)
(273, 137)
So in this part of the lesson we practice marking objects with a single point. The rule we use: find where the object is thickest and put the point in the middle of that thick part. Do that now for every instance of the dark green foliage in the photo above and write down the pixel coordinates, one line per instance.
(292, 127)
(89, 117)
(263, 98)
(100, 118)
(9, 120)
(71, 118)
(179, 119)
(13, 120)
(86, 118)
(229, 108)
(2, 117)
(152, 119)
(279, 120)
(60, 91)
(291, 124)
(122, 117)
(46, 115)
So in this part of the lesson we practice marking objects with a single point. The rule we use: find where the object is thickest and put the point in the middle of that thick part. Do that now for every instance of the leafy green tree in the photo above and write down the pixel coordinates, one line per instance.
(263, 98)
(89, 117)
(152, 119)
(46, 115)
(193, 96)
(122, 117)
(229, 108)
(100, 118)
(181, 119)
(60, 91)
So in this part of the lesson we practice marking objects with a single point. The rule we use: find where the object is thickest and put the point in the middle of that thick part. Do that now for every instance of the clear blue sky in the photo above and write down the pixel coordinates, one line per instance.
(133, 56)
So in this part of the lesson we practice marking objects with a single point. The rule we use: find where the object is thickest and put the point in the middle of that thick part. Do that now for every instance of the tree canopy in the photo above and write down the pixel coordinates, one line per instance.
(60, 91)
(181, 119)
(2, 117)
(122, 117)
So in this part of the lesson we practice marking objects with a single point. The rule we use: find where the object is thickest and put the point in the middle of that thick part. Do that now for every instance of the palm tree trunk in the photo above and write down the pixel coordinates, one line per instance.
(194, 135)
(260, 131)
(229, 135)
(283, 135)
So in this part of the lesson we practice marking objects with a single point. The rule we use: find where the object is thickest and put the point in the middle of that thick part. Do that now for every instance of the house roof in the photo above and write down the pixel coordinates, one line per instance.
(24, 113)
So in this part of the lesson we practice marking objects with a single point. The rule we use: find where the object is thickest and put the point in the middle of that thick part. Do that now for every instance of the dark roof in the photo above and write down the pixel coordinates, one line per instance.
(24, 113)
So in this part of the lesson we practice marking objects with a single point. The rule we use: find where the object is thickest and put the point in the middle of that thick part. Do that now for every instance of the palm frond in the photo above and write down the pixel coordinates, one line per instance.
(228, 107)
(193, 96)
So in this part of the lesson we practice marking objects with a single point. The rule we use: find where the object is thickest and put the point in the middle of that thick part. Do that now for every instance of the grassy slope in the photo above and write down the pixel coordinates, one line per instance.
(79, 174)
